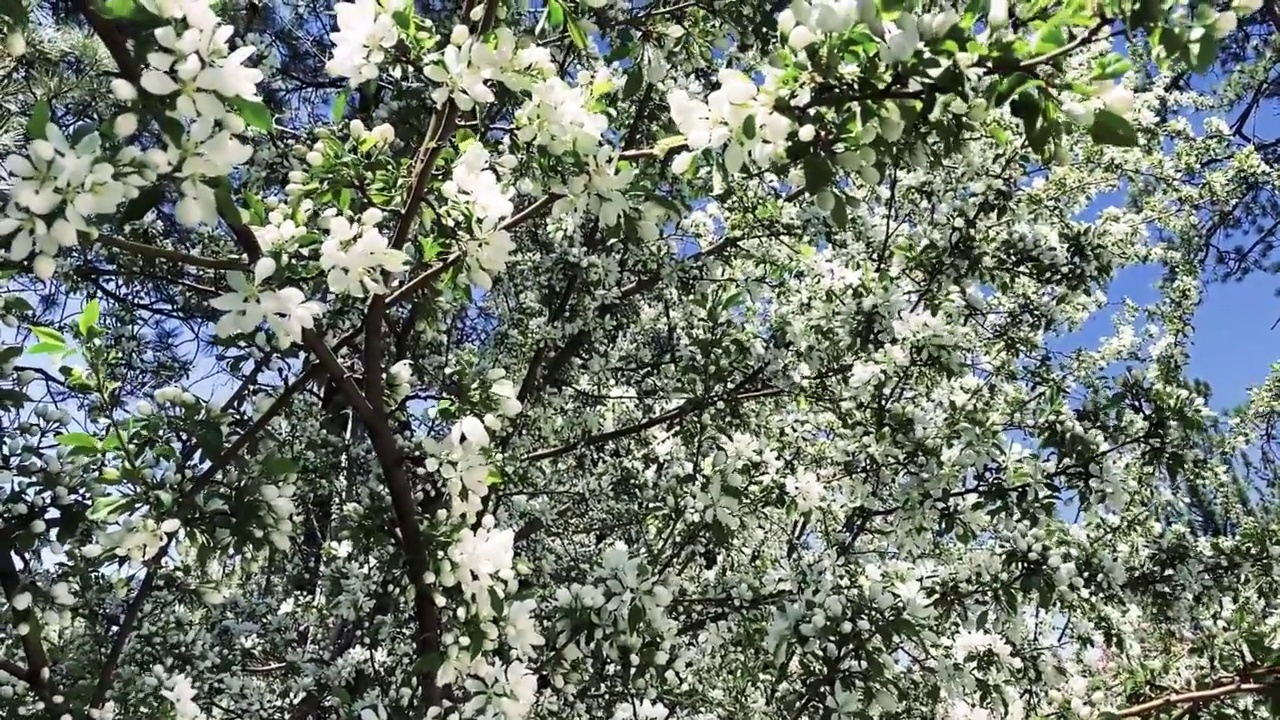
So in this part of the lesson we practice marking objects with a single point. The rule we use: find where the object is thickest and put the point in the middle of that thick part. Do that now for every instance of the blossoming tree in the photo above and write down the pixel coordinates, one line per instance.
(620, 360)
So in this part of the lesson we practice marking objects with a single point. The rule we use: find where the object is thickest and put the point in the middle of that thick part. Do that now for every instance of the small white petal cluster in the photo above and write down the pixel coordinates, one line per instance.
(279, 499)
(557, 117)
(501, 692)
(58, 185)
(286, 311)
(400, 381)
(200, 75)
(643, 710)
(808, 23)
(136, 540)
(355, 255)
(475, 187)
(467, 64)
(281, 233)
(461, 456)
(721, 122)
(366, 30)
(480, 564)
(480, 559)
(180, 692)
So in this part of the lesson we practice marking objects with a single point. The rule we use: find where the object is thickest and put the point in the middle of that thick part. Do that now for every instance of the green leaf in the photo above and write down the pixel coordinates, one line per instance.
(339, 107)
(15, 12)
(278, 465)
(578, 35)
(1111, 67)
(210, 439)
(17, 303)
(48, 335)
(818, 173)
(890, 9)
(749, 127)
(138, 207)
(89, 317)
(1110, 129)
(254, 113)
(113, 441)
(256, 207)
(78, 439)
(172, 128)
(620, 50)
(119, 9)
(10, 397)
(635, 82)
(552, 17)
(38, 123)
(226, 205)
(105, 507)
(1203, 52)
(430, 248)
(1009, 87)
(1050, 38)
(1143, 13)
(840, 213)
(635, 617)
(68, 522)
(46, 348)
(1027, 107)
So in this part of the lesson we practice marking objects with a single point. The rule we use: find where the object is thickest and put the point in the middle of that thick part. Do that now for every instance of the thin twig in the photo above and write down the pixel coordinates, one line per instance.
(153, 251)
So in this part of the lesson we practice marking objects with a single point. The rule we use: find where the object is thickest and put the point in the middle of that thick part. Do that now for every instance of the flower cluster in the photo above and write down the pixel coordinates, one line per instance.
(366, 30)
(355, 255)
(720, 123)
(58, 186)
(198, 76)
(558, 117)
(287, 311)
(475, 187)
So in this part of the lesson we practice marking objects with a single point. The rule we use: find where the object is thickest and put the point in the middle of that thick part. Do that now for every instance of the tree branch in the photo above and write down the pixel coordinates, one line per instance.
(1249, 682)
(152, 251)
(32, 640)
(106, 677)
(404, 507)
(14, 669)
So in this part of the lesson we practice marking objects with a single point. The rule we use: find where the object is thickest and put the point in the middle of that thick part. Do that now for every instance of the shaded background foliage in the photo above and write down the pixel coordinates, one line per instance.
(161, 322)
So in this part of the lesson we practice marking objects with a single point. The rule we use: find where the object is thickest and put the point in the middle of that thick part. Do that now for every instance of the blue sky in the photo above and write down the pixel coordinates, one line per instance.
(1234, 344)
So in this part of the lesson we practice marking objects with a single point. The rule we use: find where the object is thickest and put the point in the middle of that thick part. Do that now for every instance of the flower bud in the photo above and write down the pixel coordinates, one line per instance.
(998, 15)
(125, 125)
(15, 44)
(1118, 99)
(1224, 24)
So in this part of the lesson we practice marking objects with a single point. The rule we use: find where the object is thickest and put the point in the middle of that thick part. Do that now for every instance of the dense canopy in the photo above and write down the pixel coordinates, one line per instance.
(631, 360)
